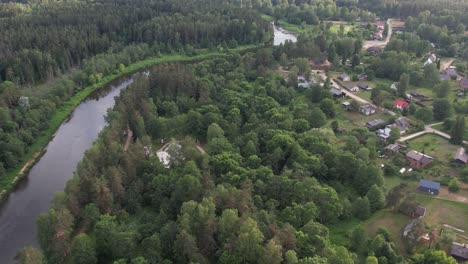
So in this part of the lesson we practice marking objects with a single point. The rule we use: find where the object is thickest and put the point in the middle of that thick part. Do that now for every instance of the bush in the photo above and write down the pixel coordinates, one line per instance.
(454, 185)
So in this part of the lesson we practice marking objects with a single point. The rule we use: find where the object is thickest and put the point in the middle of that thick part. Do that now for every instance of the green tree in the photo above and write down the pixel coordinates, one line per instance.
(432, 256)
(371, 260)
(317, 118)
(442, 89)
(361, 208)
(376, 198)
(291, 257)
(30, 255)
(249, 247)
(454, 185)
(394, 134)
(358, 240)
(403, 85)
(214, 131)
(458, 130)
(424, 114)
(442, 109)
(431, 74)
(328, 107)
(83, 250)
(272, 253)
(356, 60)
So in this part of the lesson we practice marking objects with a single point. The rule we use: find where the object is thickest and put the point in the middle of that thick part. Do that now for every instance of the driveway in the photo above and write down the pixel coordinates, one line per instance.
(428, 129)
(378, 43)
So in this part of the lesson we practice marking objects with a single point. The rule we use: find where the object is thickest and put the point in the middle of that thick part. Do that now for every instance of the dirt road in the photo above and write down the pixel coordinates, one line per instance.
(378, 43)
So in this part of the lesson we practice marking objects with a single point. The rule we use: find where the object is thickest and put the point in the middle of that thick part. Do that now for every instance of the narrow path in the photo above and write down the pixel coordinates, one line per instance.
(428, 129)
(129, 138)
(378, 43)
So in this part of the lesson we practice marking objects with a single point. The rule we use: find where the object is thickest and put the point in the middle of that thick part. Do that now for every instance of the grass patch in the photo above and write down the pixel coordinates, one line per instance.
(441, 211)
(8, 182)
(339, 232)
(433, 145)
(442, 128)
(303, 28)
(335, 28)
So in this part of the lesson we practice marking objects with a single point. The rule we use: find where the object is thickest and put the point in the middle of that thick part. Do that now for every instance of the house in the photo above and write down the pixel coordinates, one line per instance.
(451, 73)
(433, 57)
(346, 104)
(430, 187)
(394, 86)
(402, 123)
(459, 252)
(393, 148)
(461, 157)
(400, 104)
(337, 93)
(367, 109)
(463, 84)
(409, 228)
(304, 85)
(320, 63)
(384, 133)
(364, 87)
(418, 159)
(375, 123)
(353, 88)
(444, 76)
(344, 77)
(426, 239)
(374, 50)
(362, 77)
(419, 212)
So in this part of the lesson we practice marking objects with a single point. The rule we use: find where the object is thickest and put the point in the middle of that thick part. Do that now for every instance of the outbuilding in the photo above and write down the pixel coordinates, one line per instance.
(430, 187)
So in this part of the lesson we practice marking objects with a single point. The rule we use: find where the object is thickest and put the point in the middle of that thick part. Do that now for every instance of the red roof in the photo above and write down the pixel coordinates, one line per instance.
(401, 103)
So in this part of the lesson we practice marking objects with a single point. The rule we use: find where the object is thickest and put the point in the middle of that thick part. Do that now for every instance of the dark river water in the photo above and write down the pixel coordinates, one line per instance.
(51, 173)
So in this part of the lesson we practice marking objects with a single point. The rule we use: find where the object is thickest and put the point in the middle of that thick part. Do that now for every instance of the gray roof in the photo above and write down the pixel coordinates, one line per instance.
(363, 85)
(418, 156)
(374, 123)
(461, 155)
(394, 147)
(402, 123)
(344, 76)
(459, 250)
(335, 91)
(429, 184)
(451, 72)
(463, 83)
(420, 211)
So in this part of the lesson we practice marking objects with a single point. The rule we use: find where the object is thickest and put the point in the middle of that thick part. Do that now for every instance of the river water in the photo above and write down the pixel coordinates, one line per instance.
(34, 194)
(282, 35)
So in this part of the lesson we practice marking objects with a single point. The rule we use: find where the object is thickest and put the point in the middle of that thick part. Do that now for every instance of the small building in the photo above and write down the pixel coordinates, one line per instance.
(419, 212)
(408, 230)
(375, 123)
(417, 95)
(374, 50)
(393, 148)
(461, 157)
(418, 159)
(444, 76)
(353, 88)
(344, 77)
(367, 109)
(364, 87)
(430, 187)
(402, 123)
(346, 104)
(463, 84)
(383, 133)
(451, 73)
(337, 93)
(426, 239)
(362, 77)
(305, 85)
(394, 86)
(400, 104)
(459, 252)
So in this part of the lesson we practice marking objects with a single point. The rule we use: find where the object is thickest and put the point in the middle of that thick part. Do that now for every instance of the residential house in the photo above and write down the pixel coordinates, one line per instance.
(444, 76)
(400, 104)
(344, 77)
(304, 85)
(362, 77)
(394, 86)
(418, 159)
(346, 104)
(364, 87)
(431, 59)
(463, 84)
(461, 157)
(459, 252)
(419, 212)
(337, 93)
(451, 73)
(383, 133)
(375, 123)
(374, 50)
(393, 148)
(430, 187)
(402, 123)
(353, 88)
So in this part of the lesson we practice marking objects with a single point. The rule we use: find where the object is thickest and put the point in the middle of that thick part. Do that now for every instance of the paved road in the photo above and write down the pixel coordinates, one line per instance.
(428, 129)
(377, 43)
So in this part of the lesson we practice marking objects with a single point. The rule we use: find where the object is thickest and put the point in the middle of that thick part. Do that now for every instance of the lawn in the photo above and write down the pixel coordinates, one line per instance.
(441, 211)
(351, 120)
(393, 222)
(434, 146)
(339, 232)
(303, 28)
(441, 128)
(336, 28)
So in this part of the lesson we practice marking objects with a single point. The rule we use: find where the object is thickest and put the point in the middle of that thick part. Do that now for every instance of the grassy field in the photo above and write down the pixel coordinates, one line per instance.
(8, 182)
(441, 211)
(351, 120)
(434, 146)
(336, 28)
(441, 128)
(339, 232)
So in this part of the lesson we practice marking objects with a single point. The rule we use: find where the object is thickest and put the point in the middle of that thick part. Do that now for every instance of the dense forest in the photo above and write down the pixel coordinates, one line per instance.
(52, 50)
(273, 177)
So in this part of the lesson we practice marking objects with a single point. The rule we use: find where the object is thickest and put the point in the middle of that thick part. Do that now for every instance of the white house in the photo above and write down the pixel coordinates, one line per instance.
(353, 88)
(367, 109)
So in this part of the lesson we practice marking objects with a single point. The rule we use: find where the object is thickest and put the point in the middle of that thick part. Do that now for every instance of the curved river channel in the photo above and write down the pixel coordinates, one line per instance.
(50, 175)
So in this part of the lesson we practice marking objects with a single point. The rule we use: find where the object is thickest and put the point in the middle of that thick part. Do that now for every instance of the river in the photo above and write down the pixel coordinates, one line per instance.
(282, 35)
(50, 175)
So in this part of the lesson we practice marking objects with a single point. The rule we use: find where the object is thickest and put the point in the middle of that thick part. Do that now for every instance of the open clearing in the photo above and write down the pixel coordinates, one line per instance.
(441, 212)
(434, 146)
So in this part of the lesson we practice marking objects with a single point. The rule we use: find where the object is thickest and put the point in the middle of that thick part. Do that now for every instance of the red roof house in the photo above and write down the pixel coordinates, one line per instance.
(400, 104)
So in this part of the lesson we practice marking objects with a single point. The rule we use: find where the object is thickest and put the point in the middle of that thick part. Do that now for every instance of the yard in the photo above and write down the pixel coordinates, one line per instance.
(441, 212)
(434, 146)
(351, 120)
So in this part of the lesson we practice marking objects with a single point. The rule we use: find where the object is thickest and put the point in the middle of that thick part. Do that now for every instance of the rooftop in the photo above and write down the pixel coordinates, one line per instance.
(376, 122)
(459, 250)
(429, 184)
(461, 155)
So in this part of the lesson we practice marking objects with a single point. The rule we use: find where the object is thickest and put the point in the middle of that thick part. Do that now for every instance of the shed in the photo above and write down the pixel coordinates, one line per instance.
(353, 88)
(344, 77)
(367, 109)
(375, 123)
(430, 187)
(418, 159)
(463, 83)
(337, 93)
(419, 212)
(461, 156)
(459, 252)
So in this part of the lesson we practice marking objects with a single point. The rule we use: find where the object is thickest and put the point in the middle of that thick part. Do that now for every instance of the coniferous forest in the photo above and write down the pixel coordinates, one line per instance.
(259, 169)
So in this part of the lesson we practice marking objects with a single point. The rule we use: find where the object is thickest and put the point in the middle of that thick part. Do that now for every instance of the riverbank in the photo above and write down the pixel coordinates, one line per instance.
(8, 183)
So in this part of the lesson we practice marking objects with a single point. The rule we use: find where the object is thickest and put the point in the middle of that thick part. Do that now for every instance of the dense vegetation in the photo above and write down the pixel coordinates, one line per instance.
(89, 47)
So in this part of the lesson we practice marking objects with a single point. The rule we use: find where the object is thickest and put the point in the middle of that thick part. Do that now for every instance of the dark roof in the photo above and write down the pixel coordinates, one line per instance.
(374, 123)
(351, 86)
(420, 211)
(374, 49)
(402, 123)
(429, 184)
(335, 91)
(418, 156)
(363, 85)
(394, 147)
(451, 72)
(463, 83)
(344, 75)
(461, 155)
(459, 251)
